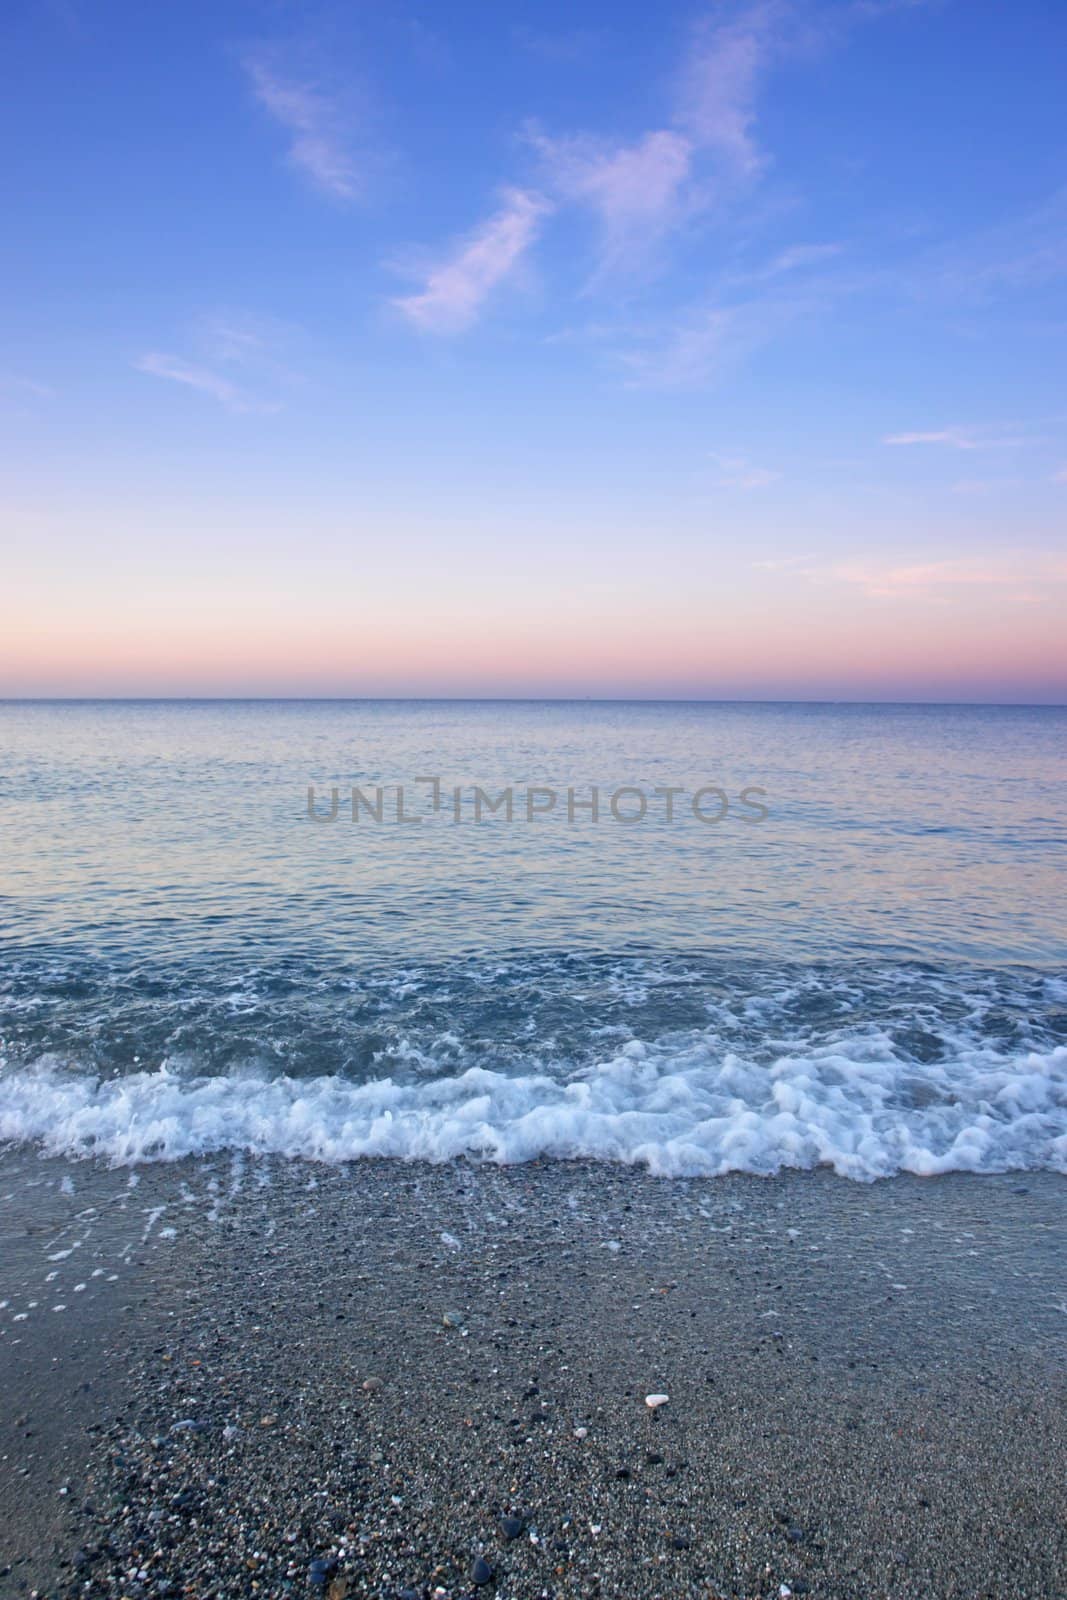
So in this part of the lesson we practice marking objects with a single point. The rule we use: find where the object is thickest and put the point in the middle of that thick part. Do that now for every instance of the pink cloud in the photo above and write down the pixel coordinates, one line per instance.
(719, 83)
(311, 119)
(935, 577)
(456, 290)
(634, 188)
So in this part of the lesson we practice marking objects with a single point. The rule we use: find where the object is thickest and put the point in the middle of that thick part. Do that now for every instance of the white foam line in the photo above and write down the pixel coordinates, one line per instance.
(679, 1108)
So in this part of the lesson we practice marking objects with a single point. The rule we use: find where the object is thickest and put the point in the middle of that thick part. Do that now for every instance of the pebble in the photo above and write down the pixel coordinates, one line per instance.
(511, 1527)
(654, 1401)
(481, 1572)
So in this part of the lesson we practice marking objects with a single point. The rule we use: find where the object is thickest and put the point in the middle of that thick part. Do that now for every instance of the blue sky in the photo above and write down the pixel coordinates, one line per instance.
(641, 343)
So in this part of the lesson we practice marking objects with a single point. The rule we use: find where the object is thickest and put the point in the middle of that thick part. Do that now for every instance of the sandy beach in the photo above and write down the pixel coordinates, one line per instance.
(399, 1380)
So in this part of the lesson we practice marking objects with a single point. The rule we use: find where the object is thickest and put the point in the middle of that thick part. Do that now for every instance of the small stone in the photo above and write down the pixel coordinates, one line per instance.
(453, 1319)
(581, 1433)
(481, 1572)
(511, 1527)
(679, 1542)
(654, 1401)
(318, 1572)
(372, 1385)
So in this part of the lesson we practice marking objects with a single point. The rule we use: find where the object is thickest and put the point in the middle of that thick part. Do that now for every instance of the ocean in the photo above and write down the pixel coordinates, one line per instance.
(701, 938)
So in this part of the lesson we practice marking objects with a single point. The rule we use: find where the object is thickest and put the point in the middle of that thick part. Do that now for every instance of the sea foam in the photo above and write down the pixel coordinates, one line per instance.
(681, 1108)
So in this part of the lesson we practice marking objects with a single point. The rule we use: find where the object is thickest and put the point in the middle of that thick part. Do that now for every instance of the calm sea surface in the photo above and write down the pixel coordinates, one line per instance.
(873, 974)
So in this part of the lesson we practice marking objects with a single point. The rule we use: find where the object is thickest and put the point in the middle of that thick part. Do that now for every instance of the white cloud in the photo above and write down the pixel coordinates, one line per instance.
(937, 579)
(456, 290)
(955, 438)
(783, 563)
(691, 353)
(736, 472)
(27, 388)
(317, 145)
(702, 344)
(176, 370)
(799, 256)
(719, 82)
(635, 189)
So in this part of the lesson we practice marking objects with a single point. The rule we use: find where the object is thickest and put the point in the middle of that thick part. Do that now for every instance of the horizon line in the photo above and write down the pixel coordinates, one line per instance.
(655, 700)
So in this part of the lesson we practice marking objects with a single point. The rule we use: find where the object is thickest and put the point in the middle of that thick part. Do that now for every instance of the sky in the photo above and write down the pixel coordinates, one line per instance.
(695, 351)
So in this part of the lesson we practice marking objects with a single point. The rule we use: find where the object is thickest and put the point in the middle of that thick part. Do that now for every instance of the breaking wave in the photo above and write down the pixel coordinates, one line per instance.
(679, 1106)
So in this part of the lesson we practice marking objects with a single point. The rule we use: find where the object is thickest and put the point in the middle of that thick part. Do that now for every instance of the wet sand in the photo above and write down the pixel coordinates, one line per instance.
(390, 1380)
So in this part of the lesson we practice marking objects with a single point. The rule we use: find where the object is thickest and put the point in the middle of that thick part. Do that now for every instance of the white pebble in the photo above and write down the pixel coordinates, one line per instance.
(652, 1401)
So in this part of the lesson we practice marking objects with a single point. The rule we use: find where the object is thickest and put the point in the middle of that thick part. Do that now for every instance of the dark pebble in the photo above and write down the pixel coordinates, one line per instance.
(795, 1535)
(511, 1527)
(481, 1572)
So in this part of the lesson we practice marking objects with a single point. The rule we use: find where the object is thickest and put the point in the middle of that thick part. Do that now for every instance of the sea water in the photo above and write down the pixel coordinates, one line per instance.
(700, 937)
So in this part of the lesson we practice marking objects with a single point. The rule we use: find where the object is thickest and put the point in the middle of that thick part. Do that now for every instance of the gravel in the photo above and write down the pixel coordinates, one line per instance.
(309, 1393)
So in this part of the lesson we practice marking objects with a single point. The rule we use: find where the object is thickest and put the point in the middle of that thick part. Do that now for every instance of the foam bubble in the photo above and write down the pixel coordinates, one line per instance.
(679, 1107)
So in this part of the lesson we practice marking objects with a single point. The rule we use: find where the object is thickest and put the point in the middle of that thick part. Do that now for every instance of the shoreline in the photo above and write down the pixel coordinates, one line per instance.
(339, 1381)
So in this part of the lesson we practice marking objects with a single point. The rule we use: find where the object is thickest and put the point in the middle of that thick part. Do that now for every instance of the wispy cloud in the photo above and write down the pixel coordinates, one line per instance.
(935, 580)
(956, 438)
(701, 344)
(641, 189)
(690, 353)
(799, 257)
(1026, 578)
(719, 83)
(636, 190)
(1026, 252)
(783, 563)
(981, 486)
(736, 472)
(203, 379)
(318, 145)
(24, 388)
(456, 290)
